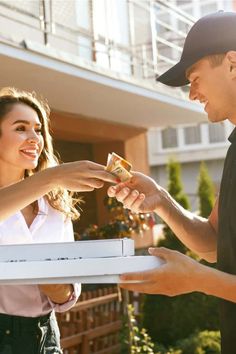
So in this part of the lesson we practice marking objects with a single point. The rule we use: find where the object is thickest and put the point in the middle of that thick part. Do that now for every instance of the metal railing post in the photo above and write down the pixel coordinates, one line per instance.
(43, 20)
(153, 35)
(131, 35)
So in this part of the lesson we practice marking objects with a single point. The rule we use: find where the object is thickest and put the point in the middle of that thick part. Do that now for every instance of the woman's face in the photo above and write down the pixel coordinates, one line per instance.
(21, 141)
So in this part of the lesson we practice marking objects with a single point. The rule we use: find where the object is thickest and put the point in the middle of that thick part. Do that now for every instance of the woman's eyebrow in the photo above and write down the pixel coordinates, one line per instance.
(25, 122)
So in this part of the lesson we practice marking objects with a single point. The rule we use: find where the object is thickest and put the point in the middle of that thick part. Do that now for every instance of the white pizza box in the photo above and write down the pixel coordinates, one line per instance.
(67, 250)
(90, 270)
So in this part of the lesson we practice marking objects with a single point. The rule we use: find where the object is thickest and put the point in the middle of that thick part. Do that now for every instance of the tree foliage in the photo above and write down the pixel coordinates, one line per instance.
(205, 342)
(175, 189)
(206, 191)
(171, 319)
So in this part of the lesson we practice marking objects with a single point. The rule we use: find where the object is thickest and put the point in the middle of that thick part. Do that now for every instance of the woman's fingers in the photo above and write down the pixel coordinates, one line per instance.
(86, 164)
(92, 182)
(87, 184)
(84, 170)
(104, 176)
(98, 171)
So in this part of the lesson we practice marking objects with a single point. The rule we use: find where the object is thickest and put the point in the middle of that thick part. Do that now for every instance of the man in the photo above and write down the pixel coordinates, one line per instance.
(208, 63)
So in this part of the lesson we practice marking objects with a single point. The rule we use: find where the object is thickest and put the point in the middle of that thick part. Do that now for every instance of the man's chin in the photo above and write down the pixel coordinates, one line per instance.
(215, 119)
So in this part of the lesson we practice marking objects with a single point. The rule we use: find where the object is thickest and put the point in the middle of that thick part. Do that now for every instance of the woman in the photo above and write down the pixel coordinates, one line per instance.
(36, 207)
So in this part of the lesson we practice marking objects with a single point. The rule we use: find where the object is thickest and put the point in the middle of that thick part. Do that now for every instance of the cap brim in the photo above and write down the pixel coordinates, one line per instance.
(176, 76)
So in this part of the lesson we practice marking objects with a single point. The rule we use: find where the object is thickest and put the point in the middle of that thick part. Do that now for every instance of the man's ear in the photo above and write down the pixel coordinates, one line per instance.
(231, 61)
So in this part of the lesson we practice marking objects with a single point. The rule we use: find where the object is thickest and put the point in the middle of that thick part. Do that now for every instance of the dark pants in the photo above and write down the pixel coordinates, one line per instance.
(27, 335)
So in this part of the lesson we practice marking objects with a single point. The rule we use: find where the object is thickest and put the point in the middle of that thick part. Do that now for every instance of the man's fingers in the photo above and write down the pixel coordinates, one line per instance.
(162, 252)
(136, 276)
(144, 287)
(135, 207)
(120, 191)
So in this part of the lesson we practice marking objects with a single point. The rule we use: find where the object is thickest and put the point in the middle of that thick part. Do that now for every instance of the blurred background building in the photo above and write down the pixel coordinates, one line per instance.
(190, 143)
(96, 62)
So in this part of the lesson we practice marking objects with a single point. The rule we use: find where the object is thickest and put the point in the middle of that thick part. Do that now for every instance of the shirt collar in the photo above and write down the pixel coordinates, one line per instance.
(232, 136)
(43, 206)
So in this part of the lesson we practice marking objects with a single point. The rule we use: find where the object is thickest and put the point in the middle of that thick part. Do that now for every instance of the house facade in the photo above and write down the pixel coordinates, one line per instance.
(95, 61)
(191, 143)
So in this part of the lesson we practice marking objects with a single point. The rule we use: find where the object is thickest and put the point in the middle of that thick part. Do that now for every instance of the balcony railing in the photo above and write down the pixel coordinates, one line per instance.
(133, 38)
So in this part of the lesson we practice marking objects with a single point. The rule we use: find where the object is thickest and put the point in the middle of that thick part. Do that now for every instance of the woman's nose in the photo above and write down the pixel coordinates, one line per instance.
(33, 137)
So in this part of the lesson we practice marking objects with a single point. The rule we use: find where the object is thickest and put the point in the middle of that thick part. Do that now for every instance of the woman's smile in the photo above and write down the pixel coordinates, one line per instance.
(31, 153)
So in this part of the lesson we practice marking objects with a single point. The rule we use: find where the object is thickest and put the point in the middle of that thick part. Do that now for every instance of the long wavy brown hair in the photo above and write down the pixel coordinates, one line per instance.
(59, 198)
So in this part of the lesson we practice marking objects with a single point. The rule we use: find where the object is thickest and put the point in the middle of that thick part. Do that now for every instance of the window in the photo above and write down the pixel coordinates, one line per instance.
(216, 133)
(84, 22)
(169, 138)
(111, 22)
(192, 135)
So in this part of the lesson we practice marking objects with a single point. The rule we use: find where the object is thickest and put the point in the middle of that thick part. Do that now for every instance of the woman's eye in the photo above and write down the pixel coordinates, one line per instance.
(20, 128)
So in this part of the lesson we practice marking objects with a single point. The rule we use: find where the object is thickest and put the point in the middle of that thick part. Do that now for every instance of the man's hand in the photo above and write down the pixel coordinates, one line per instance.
(178, 275)
(58, 293)
(140, 194)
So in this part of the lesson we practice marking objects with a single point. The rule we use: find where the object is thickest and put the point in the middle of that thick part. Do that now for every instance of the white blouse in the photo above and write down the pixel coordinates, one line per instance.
(48, 226)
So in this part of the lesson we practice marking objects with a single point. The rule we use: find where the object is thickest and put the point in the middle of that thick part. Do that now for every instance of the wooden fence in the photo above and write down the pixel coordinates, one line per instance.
(93, 325)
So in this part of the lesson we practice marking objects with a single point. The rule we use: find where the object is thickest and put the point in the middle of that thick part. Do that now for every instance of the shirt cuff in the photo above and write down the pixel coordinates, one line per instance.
(70, 302)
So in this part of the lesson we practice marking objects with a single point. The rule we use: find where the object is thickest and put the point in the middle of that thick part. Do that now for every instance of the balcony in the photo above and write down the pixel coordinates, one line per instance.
(98, 58)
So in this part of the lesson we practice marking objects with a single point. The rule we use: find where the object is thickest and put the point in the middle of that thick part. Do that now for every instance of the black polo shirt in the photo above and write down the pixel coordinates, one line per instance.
(226, 245)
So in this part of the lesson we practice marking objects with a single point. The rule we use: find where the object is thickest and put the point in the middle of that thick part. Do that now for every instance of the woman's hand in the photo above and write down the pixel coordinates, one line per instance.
(80, 176)
(140, 194)
(58, 293)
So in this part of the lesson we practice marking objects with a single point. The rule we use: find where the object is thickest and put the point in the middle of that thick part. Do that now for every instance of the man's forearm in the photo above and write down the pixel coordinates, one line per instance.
(194, 231)
(217, 283)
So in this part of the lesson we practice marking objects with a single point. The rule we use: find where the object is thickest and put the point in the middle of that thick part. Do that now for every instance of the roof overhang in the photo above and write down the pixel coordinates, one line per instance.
(91, 92)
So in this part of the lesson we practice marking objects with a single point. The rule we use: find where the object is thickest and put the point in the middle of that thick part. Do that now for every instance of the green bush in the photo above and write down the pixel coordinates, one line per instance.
(134, 339)
(205, 342)
(171, 319)
(175, 189)
(205, 191)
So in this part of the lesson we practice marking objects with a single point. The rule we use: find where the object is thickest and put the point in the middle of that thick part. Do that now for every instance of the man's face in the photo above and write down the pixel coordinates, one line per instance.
(213, 87)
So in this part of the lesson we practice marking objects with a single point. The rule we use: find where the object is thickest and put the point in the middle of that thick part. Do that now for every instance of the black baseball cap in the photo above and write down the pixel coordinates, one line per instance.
(211, 34)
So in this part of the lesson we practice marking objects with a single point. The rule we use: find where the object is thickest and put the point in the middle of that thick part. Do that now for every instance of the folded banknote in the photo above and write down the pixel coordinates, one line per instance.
(119, 167)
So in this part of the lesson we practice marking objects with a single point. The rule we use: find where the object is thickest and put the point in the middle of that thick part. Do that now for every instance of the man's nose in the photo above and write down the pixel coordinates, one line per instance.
(193, 95)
